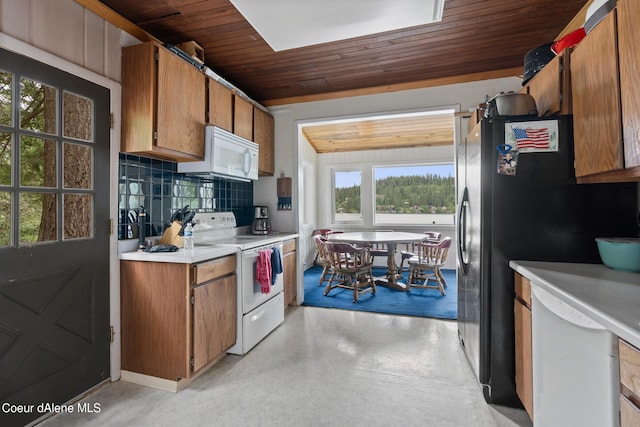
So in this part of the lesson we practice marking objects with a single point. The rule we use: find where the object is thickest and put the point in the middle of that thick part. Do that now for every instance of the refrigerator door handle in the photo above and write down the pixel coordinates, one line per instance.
(462, 231)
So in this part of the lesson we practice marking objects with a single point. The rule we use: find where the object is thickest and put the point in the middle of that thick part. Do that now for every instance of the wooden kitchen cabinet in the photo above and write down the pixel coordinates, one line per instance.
(289, 272)
(629, 52)
(524, 361)
(220, 105)
(605, 95)
(214, 297)
(629, 357)
(263, 135)
(551, 87)
(242, 117)
(177, 318)
(163, 104)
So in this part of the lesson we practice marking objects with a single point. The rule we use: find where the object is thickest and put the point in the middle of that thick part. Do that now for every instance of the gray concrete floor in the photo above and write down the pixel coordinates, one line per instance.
(321, 367)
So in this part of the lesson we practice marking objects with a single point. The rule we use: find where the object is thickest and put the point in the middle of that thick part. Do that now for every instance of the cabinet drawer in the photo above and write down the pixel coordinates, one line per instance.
(289, 246)
(523, 289)
(629, 367)
(629, 413)
(211, 269)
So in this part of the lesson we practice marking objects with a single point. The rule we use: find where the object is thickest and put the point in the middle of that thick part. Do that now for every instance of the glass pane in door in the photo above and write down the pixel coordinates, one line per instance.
(6, 98)
(78, 166)
(37, 162)
(38, 107)
(78, 117)
(78, 212)
(5, 218)
(38, 214)
(5, 158)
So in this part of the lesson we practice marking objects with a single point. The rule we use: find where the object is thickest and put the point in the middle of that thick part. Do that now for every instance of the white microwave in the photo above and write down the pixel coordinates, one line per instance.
(225, 155)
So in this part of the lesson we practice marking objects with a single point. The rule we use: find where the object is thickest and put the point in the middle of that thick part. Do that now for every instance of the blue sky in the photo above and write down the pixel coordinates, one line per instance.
(348, 179)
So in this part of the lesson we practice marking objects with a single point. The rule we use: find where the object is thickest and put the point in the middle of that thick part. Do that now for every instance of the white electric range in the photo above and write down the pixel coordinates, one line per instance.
(220, 229)
(258, 313)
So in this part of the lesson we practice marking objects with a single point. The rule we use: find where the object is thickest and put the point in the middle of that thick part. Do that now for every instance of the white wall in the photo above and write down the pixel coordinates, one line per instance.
(65, 35)
(308, 197)
(67, 30)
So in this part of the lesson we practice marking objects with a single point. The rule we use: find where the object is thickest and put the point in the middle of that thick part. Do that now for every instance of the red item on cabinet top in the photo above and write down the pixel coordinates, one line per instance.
(570, 40)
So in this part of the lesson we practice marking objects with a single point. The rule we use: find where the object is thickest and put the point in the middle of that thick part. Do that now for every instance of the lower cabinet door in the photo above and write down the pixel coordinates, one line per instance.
(629, 413)
(290, 294)
(214, 319)
(524, 373)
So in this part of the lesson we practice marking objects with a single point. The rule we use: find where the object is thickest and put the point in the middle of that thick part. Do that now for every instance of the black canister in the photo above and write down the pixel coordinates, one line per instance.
(535, 60)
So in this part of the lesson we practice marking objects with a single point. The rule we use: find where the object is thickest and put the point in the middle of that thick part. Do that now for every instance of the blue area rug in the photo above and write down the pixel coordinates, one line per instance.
(418, 302)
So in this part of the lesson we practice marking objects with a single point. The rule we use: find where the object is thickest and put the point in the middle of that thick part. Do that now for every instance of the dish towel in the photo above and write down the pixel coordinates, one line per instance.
(263, 270)
(276, 264)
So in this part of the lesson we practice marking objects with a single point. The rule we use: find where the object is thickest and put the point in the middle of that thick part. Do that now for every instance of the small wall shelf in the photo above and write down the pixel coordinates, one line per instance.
(284, 193)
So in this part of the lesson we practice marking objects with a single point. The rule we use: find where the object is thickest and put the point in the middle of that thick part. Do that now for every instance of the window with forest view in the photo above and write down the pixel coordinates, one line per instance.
(346, 197)
(423, 194)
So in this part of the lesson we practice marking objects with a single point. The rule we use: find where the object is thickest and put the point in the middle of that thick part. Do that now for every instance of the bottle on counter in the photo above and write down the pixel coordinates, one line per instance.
(188, 236)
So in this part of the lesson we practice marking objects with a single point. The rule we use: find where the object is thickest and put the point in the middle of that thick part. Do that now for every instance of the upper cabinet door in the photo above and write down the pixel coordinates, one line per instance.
(551, 87)
(596, 101)
(138, 78)
(629, 47)
(263, 136)
(243, 118)
(163, 104)
(220, 105)
(181, 105)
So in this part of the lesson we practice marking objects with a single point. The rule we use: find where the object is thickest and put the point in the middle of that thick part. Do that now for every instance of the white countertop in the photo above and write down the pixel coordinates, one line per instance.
(201, 252)
(183, 256)
(609, 297)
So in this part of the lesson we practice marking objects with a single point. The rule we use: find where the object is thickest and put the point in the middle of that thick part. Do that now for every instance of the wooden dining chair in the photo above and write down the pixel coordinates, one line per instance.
(354, 265)
(319, 232)
(426, 265)
(410, 251)
(319, 241)
(379, 249)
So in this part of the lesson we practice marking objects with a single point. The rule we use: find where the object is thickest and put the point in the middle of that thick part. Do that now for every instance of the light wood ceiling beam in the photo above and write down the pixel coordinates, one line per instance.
(421, 84)
(116, 19)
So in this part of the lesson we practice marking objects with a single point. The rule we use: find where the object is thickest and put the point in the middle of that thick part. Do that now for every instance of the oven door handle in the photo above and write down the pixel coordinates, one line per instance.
(254, 252)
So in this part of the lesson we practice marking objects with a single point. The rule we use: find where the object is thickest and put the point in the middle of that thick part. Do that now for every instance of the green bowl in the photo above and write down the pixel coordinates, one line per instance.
(621, 253)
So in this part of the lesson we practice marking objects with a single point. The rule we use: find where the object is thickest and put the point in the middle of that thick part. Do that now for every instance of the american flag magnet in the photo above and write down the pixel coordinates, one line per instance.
(535, 136)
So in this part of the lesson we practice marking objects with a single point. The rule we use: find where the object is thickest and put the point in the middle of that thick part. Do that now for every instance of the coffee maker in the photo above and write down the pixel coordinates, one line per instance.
(261, 223)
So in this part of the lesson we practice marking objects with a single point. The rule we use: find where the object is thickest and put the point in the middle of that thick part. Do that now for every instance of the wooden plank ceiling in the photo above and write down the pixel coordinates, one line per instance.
(389, 132)
(476, 39)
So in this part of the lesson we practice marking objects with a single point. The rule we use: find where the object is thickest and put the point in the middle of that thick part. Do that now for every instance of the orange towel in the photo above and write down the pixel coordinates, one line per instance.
(263, 270)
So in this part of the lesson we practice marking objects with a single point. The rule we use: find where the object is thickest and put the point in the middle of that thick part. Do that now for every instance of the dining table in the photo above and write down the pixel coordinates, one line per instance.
(391, 239)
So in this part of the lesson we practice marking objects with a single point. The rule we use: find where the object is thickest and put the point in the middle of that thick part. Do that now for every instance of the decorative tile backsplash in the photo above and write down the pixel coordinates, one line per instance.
(156, 185)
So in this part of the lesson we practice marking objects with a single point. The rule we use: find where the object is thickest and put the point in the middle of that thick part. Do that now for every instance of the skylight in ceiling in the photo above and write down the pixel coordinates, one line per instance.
(289, 24)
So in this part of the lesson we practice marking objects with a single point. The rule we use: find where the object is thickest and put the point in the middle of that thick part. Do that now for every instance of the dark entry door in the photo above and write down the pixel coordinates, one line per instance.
(54, 236)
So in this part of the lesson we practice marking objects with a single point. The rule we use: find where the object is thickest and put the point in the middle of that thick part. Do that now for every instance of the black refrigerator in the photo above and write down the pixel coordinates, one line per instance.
(540, 213)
